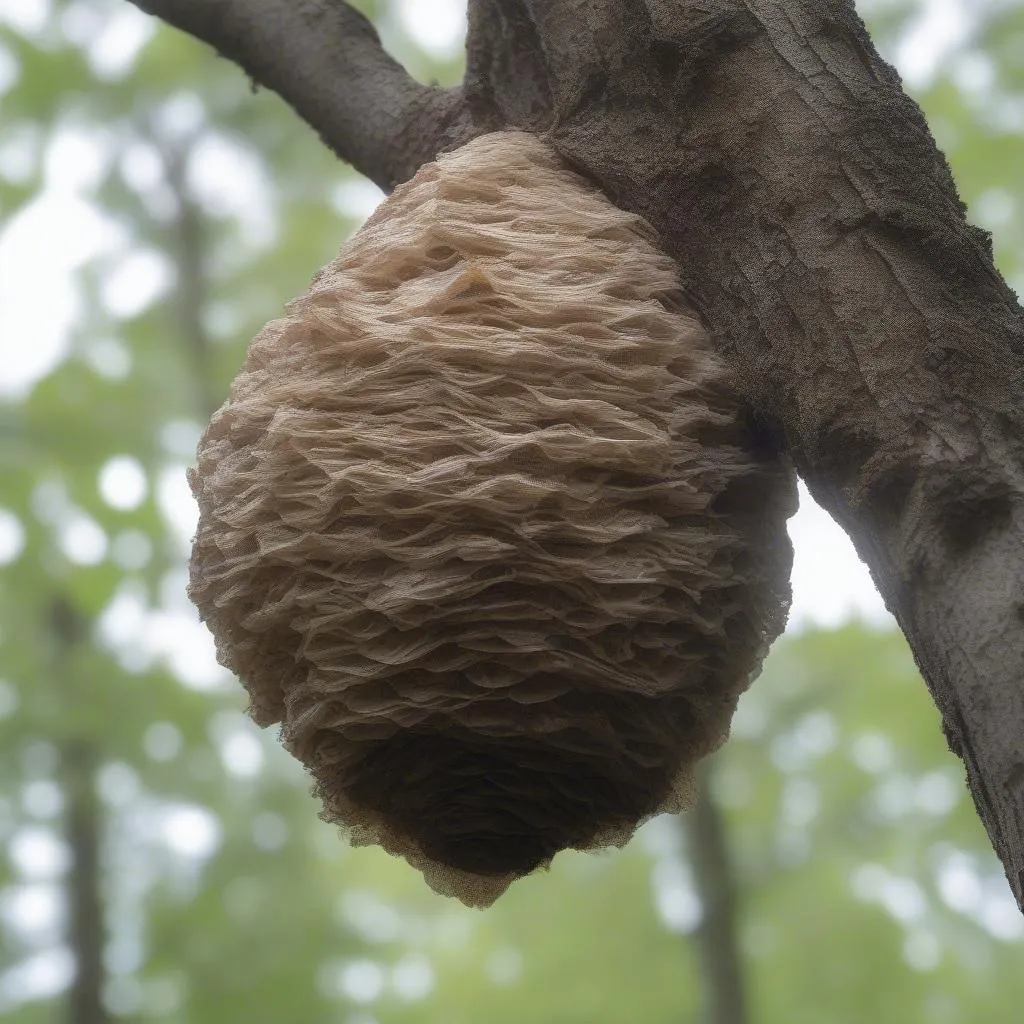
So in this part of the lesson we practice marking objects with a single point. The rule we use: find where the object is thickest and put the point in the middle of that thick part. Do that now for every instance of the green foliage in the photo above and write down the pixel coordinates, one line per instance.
(868, 887)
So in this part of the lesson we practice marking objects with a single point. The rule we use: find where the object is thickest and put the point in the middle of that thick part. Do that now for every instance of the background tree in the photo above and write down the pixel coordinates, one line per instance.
(170, 212)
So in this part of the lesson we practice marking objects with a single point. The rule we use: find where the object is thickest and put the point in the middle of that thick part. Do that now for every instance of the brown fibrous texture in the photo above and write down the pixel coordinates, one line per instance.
(483, 526)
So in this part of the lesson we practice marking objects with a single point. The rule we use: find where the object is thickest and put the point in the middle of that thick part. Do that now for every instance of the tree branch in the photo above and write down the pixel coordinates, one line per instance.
(325, 59)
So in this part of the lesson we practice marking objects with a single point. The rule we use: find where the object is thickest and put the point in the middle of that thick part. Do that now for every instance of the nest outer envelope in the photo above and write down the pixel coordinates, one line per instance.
(482, 525)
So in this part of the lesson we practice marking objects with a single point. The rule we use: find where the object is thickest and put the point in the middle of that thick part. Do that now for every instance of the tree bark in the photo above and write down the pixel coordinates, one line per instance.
(819, 233)
(717, 936)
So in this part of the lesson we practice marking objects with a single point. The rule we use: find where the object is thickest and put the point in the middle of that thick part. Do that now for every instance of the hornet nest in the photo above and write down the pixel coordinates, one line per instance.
(483, 526)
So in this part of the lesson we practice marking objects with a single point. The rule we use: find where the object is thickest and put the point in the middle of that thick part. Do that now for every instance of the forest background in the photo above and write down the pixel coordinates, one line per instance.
(154, 213)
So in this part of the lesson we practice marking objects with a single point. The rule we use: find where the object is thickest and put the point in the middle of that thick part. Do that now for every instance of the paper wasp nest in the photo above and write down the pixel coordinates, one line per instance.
(482, 528)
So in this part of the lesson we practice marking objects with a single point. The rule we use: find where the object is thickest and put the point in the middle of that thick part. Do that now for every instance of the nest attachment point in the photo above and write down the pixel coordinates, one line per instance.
(483, 528)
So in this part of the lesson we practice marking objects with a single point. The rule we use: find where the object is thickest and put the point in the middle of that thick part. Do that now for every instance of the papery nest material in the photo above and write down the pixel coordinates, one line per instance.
(483, 527)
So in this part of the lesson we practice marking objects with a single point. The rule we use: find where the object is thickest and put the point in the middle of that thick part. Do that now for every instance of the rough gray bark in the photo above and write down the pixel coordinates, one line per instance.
(818, 230)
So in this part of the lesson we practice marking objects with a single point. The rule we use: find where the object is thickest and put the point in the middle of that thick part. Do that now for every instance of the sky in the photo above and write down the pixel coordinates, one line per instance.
(46, 243)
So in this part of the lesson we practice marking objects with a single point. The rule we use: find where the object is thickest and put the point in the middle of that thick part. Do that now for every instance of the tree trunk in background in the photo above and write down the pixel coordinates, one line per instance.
(717, 937)
(190, 256)
(86, 932)
(83, 826)
(818, 231)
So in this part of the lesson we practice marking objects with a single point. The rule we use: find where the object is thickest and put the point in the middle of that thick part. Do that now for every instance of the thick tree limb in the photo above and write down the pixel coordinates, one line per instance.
(819, 230)
(325, 59)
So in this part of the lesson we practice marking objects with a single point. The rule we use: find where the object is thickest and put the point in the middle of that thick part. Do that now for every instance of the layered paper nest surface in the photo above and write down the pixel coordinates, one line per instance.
(482, 528)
